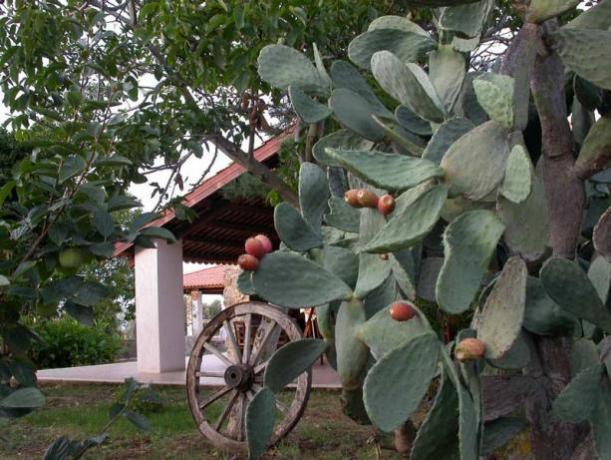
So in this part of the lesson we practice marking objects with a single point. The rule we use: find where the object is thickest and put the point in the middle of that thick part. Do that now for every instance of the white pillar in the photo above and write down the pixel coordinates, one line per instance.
(198, 312)
(160, 311)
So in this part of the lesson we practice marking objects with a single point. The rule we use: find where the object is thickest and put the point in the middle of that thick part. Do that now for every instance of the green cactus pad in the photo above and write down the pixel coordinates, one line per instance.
(597, 17)
(407, 46)
(542, 10)
(403, 274)
(415, 216)
(260, 418)
(437, 436)
(495, 94)
(469, 243)
(519, 171)
(290, 361)
(517, 357)
(583, 356)
(343, 216)
(580, 398)
(436, 3)
(596, 144)
(353, 406)
(345, 75)
(342, 138)
(499, 432)
(527, 223)
(427, 278)
(465, 45)
(485, 148)
(281, 66)
(468, 103)
(577, 53)
(405, 142)
(447, 70)
(293, 230)
(602, 235)
(599, 273)
(385, 170)
(381, 297)
(397, 22)
(601, 423)
(448, 133)
(373, 271)
(382, 334)
(454, 207)
(308, 109)
(352, 353)
(412, 122)
(408, 84)
(396, 384)
(467, 19)
(354, 112)
(542, 316)
(313, 194)
(244, 283)
(343, 263)
(500, 321)
(290, 280)
(568, 285)
(320, 66)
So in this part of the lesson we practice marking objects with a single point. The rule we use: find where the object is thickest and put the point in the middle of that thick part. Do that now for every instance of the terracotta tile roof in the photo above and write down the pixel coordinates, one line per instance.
(212, 278)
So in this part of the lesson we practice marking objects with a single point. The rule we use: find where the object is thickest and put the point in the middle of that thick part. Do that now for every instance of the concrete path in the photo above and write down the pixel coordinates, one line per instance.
(323, 375)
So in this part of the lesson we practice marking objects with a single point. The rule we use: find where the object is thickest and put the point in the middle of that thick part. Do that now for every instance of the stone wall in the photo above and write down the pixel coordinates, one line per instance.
(231, 293)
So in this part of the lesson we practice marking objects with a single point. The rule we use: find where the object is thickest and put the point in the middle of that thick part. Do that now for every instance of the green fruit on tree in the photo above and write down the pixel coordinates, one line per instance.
(72, 258)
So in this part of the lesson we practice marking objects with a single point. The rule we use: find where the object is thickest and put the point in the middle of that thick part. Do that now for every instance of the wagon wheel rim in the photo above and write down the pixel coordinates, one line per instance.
(243, 375)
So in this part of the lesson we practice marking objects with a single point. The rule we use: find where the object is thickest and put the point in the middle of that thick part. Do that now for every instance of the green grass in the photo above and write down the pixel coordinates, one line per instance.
(79, 411)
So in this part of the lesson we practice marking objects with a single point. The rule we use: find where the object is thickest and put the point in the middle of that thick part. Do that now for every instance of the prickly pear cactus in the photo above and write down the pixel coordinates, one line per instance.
(442, 177)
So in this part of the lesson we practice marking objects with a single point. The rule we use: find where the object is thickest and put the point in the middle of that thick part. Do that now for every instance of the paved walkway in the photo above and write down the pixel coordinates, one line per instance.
(323, 375)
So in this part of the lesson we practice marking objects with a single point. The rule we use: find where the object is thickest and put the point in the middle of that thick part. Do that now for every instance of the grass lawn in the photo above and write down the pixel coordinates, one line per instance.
(80, 411)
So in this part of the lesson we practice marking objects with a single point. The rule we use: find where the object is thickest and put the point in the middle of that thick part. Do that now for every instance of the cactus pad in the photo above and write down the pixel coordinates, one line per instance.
(343, 216)
(448, 133)
(447, 70)
(293, 230)
(412, 122)
(352, 353)
(260, 417)
(354, 112)
(602, 235)
(313, 194)
(541, 10)
(542, 316)
(342, 138)
(290, 280)
(396, 384)
(579, 399)
(308, 109)
(469, 243)
(281, 66)
(290, 361)
(519, 172)
(495, 94)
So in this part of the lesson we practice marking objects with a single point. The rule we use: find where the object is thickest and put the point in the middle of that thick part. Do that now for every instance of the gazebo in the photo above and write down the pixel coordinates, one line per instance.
(215, 237)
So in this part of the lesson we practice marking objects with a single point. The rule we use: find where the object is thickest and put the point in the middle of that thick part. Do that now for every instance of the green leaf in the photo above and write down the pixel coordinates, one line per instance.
(81, 313)
(313, 194)
(281, 66)
(159, 232)
(396, 384)
(519, 173)
(103, 222)
(408, 84)
(290, 361)
(71, 166)
(6, 190)
(23, 398)
(574, 47)
(290, 280)
(485, 149)
(568, 285)
(500, 321)
(293, 230)
(385, 170)
(415, 215)
(260, 418)
(4, 281)
(579, 399)
(469, 243)
(407, 46)
(308, 109)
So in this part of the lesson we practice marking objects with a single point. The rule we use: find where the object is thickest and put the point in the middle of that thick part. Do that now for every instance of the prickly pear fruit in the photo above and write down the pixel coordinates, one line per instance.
(351, 198)
(248, 262)
(386, 204)
(384, 256)
(367, 198)
(265, 242)
(254, 247)
(469, 349)
(402, 311)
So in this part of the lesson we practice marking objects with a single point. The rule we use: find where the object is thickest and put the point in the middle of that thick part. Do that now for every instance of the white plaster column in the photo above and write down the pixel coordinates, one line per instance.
(160, 311)
(198, 312)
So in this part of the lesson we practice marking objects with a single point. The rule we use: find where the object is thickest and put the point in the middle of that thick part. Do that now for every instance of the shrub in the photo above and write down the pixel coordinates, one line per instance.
(146, 400)
(66, 343)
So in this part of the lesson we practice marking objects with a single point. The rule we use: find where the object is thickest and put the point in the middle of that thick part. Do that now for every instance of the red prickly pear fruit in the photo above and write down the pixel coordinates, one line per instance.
(402, 311)
(265, 242)
(351, 198)
(248, 262)
(384, 256)
(386, 204)
(367, 198)
(254, 247)
(469, 349)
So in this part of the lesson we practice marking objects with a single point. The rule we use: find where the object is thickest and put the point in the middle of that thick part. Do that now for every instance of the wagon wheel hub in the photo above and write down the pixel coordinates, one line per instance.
(239, 376)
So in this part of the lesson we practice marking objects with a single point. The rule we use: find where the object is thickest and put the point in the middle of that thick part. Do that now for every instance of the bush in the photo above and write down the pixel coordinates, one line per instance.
(145, 400)
(66, 343)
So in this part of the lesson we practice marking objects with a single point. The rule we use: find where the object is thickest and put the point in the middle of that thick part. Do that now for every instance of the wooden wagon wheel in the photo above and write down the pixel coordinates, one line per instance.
(263, 327)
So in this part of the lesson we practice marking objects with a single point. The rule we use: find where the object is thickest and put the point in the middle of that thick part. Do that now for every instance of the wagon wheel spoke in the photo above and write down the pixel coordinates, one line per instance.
(269, 333)
(209, 374)
(279, 405)
(233, 342)
(247, 339)
(223, 417)
(241, 417)
(216, 352)
(215, 396)
(260, 367)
